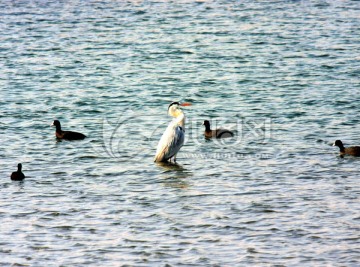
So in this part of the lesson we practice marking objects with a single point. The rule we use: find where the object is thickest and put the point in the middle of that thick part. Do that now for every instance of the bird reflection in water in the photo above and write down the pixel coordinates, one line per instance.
(174, 175)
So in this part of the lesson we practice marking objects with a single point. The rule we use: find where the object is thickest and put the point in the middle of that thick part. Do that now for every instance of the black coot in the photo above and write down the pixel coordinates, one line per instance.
(18, 175)
(218, 133)
(67, 135)
(352, 151)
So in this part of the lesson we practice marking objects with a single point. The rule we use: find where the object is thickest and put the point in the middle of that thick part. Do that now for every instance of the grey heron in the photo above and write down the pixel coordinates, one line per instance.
(173, 138)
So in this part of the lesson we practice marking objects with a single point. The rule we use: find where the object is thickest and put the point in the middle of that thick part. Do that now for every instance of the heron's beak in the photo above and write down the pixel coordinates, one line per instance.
(185, 104)
(333, 144)
(52, 124)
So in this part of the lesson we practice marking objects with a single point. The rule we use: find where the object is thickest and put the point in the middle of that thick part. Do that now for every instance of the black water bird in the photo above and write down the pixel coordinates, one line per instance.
(18, 175)
(67, 135)
(218, 133)
(352, 151)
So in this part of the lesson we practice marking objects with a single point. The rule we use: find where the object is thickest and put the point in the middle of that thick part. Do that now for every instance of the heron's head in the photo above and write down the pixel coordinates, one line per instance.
(174, 109)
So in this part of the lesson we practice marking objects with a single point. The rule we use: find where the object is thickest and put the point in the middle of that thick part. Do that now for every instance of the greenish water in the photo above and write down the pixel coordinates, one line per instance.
(284, 75)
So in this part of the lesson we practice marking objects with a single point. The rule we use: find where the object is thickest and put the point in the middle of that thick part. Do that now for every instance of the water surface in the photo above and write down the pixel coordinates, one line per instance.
(283, 74)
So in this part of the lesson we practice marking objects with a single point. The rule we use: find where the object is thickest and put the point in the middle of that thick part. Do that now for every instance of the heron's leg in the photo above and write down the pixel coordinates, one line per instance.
(174, 158)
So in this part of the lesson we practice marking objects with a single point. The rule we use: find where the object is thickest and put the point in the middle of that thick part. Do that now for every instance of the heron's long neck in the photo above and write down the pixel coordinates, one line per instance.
(180, 120)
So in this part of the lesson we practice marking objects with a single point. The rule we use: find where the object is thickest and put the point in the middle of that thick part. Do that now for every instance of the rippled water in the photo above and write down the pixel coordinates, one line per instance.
(284, 75)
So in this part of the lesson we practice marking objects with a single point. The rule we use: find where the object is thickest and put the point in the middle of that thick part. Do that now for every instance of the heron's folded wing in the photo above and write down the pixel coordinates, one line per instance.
(170, 143)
